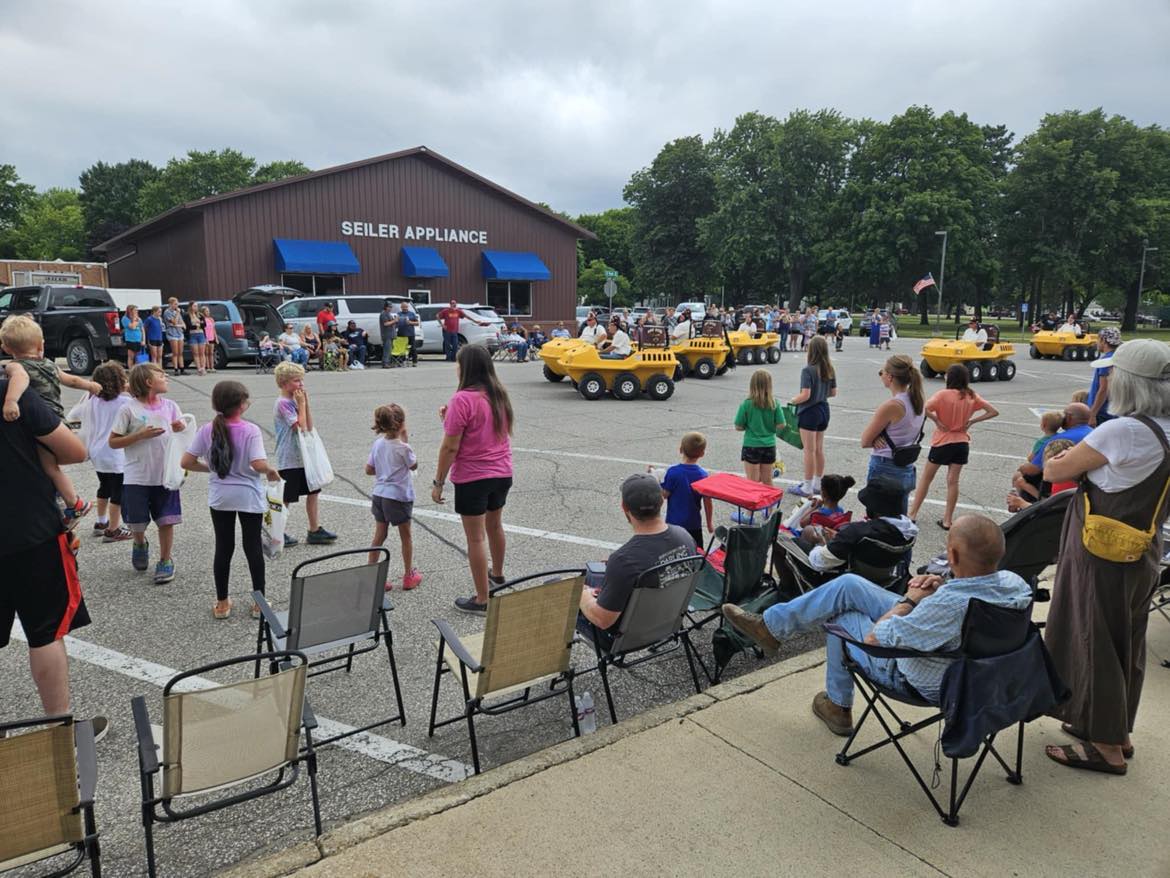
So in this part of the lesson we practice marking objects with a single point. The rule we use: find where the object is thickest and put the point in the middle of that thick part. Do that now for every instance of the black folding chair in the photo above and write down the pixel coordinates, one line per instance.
(1000, 651)
(880, 562)
(652, 624)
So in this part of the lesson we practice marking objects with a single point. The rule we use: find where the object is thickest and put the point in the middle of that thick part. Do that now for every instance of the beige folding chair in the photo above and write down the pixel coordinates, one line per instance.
(47, 781)
(527, 642)
(216, 739)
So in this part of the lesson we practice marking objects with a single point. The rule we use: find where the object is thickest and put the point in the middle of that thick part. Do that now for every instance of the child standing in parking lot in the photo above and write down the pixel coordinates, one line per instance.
(292, 413)
(391, 462)
(682, 504)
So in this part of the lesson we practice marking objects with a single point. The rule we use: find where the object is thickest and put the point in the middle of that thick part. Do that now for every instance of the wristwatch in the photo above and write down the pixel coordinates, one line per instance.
(908, 600)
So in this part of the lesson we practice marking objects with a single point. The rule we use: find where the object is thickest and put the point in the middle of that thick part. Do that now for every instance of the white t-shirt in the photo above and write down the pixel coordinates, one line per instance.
(1132, 449)
(681, 330)
(145, 460)
(102, 413)
(593, 334)
(621, 343)
(748, 327)
(978, 335)
(392, 460)
(290, 340)
(1069, 327)
(242, 489)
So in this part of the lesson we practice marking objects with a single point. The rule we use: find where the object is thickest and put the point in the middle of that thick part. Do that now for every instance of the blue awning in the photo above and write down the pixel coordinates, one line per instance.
(508, 265)
(423, 262)
(315, 257)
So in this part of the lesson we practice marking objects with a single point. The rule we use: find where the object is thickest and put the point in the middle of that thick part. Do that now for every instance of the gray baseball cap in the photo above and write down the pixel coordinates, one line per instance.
(642, 495)
(1144, 357)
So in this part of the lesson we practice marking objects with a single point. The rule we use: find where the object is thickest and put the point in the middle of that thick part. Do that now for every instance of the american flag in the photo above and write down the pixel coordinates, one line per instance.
(927, 281)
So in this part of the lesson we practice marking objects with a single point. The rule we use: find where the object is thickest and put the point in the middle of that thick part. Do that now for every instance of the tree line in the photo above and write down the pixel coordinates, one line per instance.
(822, 208)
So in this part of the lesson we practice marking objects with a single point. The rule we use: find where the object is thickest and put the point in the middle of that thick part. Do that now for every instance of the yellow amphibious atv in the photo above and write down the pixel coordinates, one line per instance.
(646, 370)
(704, 355)
(987, 362)
(554, 350)
(1065, 345)
(763, 347)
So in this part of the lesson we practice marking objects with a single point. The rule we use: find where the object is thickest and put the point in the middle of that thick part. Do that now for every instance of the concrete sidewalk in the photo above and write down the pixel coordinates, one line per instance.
(741, 781)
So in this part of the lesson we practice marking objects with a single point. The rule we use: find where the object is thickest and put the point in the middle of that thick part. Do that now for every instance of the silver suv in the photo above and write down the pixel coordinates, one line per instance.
(470, 332)
(361, 309)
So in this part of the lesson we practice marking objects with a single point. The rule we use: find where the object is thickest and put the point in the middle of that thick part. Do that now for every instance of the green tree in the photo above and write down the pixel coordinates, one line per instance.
(671, 196)
(591, 286)
(615, 232)
(278, 170)
(51, 227)
(109, 198)
(15, 197)
(197, 176)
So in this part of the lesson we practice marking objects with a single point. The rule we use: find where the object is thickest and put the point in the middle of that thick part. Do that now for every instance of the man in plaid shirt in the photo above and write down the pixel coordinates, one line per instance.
(928, 618)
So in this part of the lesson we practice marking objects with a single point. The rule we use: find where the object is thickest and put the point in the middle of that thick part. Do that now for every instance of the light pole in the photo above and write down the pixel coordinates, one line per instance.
(1146, 248)
(942, 270)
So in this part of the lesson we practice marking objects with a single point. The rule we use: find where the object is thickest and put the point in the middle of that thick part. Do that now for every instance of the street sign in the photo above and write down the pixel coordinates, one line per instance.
(610, 273)
(610, 289)
(1023, 307)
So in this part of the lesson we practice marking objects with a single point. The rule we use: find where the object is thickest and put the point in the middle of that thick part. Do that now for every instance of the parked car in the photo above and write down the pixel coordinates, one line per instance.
(238, 324)
(470, 332)
(363, 309)
(841, 318)
(583, 311)
(698, 309)
(80, 323)
(864, 328)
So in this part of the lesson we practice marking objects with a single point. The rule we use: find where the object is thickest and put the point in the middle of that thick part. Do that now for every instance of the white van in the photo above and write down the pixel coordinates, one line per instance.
(698, 309)
(364, 310)
(470, 332)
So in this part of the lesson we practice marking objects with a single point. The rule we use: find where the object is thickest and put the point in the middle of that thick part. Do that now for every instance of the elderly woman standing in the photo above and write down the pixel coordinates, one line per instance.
(1097, 622)
(896, 424)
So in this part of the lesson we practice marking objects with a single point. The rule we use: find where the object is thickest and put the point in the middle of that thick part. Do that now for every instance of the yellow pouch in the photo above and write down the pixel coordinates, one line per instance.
(1113, 540)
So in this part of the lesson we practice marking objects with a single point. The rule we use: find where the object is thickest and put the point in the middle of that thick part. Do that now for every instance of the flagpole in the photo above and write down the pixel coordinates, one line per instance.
(941, 274)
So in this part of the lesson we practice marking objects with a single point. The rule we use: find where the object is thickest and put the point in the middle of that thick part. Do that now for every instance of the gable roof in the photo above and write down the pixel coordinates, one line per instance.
(177, 214)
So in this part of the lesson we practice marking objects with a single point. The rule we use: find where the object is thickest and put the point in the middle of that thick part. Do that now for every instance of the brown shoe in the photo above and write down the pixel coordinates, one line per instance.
(838, 719)
(751, 624)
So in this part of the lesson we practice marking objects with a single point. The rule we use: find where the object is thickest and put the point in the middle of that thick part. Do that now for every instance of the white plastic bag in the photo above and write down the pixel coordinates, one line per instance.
(177, 444)
(318, 469)
(793, 520)
(274, 521)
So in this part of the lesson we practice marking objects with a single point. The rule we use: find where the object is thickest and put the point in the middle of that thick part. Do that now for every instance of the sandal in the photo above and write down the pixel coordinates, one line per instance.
(943, 526)
(1094, 761)
(223, 611)
(1068, 729)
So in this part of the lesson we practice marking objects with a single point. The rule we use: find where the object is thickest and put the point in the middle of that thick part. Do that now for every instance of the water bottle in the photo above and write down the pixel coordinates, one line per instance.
(586, 714)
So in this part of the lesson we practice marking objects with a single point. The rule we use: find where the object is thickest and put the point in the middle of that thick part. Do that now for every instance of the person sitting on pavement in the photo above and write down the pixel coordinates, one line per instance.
(654, 542)
(593, 332)
(560, 331)
(681, 330)
(830, 550)
(1028, 479)
(358, 342)
(974, 332)
(616, 345)
(928, 618)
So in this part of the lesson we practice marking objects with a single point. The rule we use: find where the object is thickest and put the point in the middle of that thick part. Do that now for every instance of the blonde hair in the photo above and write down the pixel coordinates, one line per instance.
(1080, 396)
(389, 419)
(286, 372)
(1050, 422)
(21, 335)
(818, 358)
(140, 378)
(693, 444)
(760, 390)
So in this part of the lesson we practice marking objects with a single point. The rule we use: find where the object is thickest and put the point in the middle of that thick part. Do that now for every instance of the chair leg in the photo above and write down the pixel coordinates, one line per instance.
(259, 648)
(349, 660)
(393, 669)
(1019, 775)
(93, 846)
(435, 691)
(148, 820)
(573, 707)
(603, 665)
(471, 705)
(689, 651)
(311, 761)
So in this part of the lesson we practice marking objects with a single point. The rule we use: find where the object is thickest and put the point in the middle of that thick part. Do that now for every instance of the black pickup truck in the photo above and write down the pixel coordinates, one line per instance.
(79, 323)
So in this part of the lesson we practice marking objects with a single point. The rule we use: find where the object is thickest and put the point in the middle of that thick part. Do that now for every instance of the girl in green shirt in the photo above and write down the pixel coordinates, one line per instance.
(759, 418)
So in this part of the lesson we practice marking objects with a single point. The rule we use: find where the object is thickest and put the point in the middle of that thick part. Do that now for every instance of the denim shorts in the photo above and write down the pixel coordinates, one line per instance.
(197, 338)
(905, 476)
(142, 504)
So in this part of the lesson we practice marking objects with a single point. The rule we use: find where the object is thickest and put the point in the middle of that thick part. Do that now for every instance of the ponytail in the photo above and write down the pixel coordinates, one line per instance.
(904, 373)
(227, 397)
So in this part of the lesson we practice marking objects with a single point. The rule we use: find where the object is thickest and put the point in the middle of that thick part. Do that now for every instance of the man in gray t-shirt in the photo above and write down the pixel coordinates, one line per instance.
(654, 542)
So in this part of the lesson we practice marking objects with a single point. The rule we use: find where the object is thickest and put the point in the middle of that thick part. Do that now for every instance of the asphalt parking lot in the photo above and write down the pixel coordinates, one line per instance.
(570, 455)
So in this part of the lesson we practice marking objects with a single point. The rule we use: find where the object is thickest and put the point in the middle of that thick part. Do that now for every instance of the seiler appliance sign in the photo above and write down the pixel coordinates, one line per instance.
(363, 229)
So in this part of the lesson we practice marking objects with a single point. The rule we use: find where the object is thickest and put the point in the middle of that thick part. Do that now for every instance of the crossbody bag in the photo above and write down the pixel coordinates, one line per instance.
(906, 455)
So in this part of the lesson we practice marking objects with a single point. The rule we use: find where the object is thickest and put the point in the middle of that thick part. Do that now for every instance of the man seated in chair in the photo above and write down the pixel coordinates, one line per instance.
(654, 542)
(976, 333)
(929, 618)
(616, 345)
(829, 551)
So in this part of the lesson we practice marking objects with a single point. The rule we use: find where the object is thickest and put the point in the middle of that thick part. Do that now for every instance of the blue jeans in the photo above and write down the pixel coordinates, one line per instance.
(358, 353)
(450, 345)
(299, 356)
(855, 604)
(906, 476)
(387, 344)
(521, 349)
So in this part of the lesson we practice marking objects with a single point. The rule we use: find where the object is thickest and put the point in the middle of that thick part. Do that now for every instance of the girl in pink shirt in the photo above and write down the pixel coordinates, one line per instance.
(953, 412)
(477, 454)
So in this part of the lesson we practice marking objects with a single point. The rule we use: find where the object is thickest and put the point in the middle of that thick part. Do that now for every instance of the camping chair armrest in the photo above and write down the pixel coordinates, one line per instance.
(147, 749)
(448, 636)
(879, 651)
(308, 717)
(269, 615)
(580, 571)
(86, 762)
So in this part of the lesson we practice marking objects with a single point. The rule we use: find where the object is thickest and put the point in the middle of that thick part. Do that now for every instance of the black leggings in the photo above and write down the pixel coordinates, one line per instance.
(224, 524)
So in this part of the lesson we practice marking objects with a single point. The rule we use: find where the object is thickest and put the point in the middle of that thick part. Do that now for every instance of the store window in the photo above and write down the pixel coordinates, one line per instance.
(510, 298)
(315, 284)
(420, 297)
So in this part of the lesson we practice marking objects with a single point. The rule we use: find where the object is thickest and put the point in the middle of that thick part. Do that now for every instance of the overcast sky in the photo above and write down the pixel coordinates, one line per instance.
(560, 102)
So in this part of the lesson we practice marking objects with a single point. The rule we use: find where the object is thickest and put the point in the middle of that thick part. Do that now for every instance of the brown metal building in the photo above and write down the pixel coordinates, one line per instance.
(408, 222)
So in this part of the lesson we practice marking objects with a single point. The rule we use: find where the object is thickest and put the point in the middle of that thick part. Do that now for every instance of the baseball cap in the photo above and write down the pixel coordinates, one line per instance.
(642, 495)
(881, 496)
(1144, 357)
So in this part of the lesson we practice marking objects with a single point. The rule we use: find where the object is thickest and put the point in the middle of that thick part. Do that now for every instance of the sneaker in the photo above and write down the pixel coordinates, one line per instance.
(471, 605)
(76, 512)
(751, 624)
(100, 528)
(838, 719)
(101, 726)
(495, 580)
(799, 491)
(290, 540)
(140, 556)
(117, 536)
(411, 580)
(164, 572)
(319, 537)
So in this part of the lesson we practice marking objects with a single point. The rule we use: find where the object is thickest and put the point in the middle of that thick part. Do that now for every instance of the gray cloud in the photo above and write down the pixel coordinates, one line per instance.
(558, 101)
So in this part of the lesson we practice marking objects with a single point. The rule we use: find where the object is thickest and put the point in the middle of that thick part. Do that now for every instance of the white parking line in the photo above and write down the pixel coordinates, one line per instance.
(374, 746)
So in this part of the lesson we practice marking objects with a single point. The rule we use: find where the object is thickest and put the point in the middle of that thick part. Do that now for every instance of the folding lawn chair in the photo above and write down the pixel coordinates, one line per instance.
(334, 615)
(651, 624)
(47, 780)
(880, 562)
(225, 738)
(527, 641)
(1000, 675)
